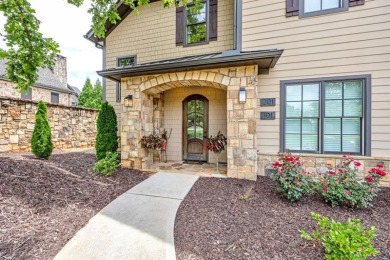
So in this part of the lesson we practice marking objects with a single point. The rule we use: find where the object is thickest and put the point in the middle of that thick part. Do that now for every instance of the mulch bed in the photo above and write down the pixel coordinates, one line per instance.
(215, 221)
(43, 203)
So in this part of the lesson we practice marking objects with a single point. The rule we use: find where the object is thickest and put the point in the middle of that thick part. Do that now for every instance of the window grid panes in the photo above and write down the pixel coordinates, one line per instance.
(196, 23)
(343, 116)
(302, 117)
(321, 5)
(324, 117)
(126, 61)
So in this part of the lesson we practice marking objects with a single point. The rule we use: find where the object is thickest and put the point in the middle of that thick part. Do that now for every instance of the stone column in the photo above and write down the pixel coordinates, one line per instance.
(136, 122)
(241, 121)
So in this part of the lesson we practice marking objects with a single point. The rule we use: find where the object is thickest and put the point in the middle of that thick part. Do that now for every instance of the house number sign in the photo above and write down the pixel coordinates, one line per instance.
(267, 102)
(267, 115)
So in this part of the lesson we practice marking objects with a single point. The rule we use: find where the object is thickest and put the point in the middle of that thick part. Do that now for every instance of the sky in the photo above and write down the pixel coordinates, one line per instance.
(67, 24)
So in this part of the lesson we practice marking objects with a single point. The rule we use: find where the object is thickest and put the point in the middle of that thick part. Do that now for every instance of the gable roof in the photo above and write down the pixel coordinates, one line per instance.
(47, 79)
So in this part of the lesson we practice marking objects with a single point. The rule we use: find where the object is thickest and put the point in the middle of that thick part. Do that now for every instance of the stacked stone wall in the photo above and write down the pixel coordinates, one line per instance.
(71, 127)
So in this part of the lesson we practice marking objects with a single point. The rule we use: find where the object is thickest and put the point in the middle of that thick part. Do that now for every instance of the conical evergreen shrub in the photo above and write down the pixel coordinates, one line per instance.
(41, 144)
(107, 126)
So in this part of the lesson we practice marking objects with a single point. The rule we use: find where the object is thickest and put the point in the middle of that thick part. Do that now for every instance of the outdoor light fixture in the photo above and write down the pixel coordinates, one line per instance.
(242, 95)
(129, 101)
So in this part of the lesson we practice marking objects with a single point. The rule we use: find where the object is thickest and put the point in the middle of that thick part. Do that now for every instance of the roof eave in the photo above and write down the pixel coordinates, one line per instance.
(265, 60)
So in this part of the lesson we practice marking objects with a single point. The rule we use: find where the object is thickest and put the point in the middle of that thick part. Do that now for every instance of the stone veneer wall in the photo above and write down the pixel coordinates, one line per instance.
(138, 120)
(321, 163)
(71, 127)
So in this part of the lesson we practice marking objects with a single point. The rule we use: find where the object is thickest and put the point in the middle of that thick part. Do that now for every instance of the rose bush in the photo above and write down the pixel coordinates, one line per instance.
(293, 182)
(344, 186)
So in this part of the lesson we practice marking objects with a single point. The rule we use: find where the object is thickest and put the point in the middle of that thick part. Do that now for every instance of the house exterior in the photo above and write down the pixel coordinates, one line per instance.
(306, 76)
(51, 86)
(74, 97)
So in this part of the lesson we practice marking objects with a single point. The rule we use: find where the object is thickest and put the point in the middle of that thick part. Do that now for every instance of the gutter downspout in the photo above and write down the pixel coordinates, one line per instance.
(237, 30)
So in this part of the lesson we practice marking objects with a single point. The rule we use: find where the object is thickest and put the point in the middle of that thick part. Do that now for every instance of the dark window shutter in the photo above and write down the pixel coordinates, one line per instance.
(213, 16)
(292, 8)
(179, 25)
(356, 2)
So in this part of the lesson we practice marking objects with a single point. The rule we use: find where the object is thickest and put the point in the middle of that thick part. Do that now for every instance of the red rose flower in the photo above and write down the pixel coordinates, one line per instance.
(379, 165)
(325, 189)
(369, 179)
(289, 158)
(340, 170)
(380, 172)
(276, 164)
(347, 192)
(357, 164)
(331, 172)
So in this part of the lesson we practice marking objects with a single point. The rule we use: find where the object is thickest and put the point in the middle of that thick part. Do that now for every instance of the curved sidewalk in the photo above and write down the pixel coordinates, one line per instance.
(137, 225)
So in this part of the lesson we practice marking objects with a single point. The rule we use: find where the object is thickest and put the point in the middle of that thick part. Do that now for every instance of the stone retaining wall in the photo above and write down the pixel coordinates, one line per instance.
(321, 163)
(71, 127)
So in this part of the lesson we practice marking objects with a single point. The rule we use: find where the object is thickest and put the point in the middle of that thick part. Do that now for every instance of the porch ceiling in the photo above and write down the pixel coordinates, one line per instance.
(264, 59)
(182, 84)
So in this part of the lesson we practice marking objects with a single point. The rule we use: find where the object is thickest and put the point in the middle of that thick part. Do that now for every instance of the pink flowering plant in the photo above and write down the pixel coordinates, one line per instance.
(344, 187)
(293, 182)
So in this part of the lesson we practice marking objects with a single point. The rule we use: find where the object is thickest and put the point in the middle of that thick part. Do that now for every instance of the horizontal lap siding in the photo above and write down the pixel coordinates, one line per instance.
(151, 36)
(355, 42)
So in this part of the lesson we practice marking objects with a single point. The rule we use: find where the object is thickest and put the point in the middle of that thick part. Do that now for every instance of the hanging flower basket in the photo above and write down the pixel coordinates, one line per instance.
(217, 144)
(152, 142)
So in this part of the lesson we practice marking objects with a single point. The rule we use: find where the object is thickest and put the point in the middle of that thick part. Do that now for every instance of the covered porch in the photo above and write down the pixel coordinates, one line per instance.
(192, 103)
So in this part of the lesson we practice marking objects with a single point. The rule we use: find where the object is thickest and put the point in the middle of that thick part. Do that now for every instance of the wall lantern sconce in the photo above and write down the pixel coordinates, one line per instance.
(129, 101)
(242, 95)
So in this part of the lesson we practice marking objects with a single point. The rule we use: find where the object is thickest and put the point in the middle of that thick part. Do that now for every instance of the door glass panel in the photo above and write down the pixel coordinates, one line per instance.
(199, 106)
(191, 119)
(191, 106)
(191, 132)
(199, 132)
(199, 120)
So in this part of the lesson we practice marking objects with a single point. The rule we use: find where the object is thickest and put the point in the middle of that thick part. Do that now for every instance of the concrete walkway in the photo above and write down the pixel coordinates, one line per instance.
(137, 225)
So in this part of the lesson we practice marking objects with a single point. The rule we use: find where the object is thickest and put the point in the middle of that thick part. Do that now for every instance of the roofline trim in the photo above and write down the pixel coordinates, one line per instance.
(244, 58)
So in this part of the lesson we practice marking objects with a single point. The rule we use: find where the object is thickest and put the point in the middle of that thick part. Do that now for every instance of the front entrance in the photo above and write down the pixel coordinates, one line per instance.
(195, 128)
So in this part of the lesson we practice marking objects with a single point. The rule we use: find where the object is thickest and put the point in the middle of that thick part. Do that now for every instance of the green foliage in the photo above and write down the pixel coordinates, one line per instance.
(108, 164)
(41, 144)
(342, 241)
(344, 186)
(107, 127)
(27, 49)
(293, 182)
(90, 96)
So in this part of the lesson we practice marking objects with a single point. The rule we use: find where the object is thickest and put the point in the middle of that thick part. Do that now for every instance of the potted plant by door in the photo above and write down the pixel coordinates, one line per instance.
(154, 143)
(216, 145)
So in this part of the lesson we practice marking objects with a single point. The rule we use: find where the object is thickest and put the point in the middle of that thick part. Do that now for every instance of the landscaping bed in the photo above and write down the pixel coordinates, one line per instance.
(239, 219)
(43, 203)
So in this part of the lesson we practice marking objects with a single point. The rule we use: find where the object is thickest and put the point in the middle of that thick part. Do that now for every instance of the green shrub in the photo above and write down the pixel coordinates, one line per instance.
(106, 139)
(293, 182)
(344, 186)
(41, 144)
(107, 165)
(342, 241)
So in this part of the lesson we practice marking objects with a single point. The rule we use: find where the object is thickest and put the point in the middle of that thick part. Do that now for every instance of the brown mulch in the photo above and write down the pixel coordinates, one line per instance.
(43, 203)
(215, 221)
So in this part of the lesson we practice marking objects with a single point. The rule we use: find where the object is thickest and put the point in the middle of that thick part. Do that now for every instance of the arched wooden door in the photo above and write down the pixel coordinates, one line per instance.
(195, 128)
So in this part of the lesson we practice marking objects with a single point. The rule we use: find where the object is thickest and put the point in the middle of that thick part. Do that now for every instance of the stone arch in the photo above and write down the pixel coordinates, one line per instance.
(160, 83)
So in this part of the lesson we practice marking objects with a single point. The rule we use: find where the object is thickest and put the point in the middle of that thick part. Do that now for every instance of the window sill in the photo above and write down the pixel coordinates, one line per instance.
(196, 44)
(323, 12)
